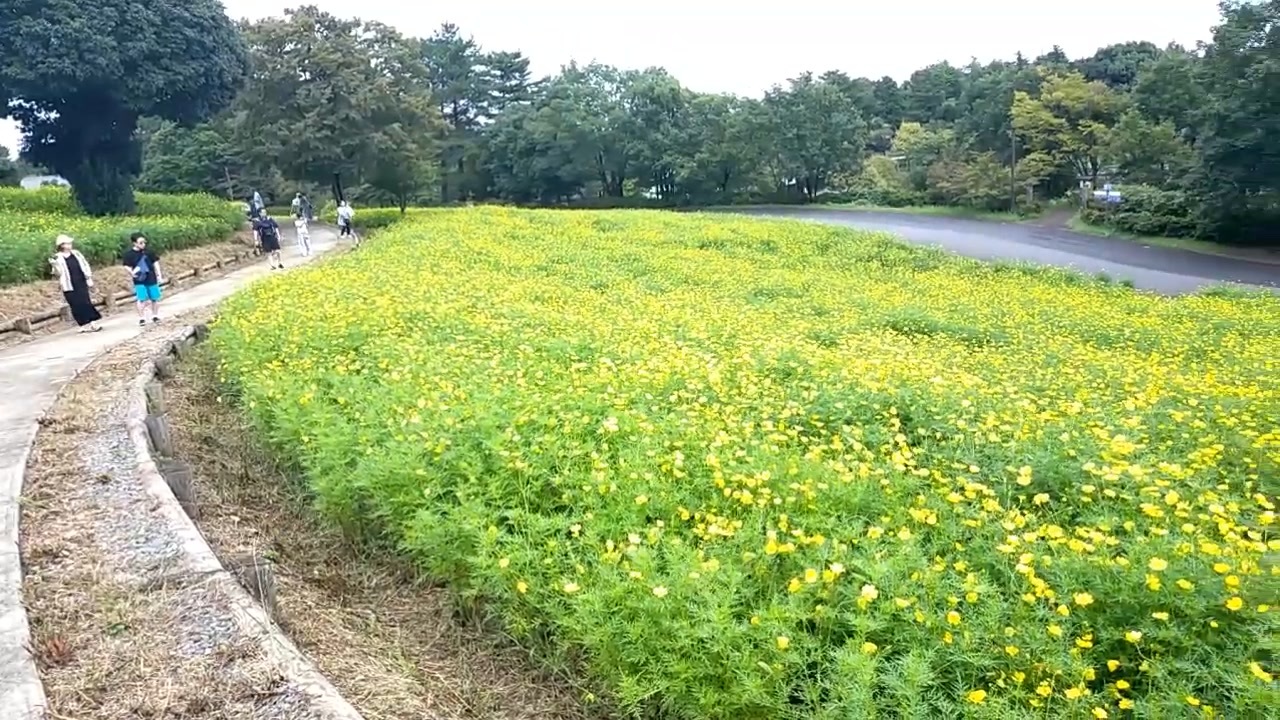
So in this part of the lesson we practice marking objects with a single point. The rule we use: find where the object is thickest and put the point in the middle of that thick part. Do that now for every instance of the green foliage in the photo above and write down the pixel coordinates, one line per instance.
(882, 182)
(734, 469)
(978, 181)
(1146, 210)
(1240, 147)
(818, 132)
(376, 218)
(1068, 121)
(416, 121)
(33, 218)
(77, 74)
(325, 92)
(1148, 153)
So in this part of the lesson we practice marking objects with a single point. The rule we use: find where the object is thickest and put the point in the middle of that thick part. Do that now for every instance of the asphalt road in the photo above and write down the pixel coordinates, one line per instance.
(1162, 269)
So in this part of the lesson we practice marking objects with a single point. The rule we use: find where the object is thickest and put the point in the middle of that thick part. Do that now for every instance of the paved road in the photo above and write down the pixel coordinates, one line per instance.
(1166, 270)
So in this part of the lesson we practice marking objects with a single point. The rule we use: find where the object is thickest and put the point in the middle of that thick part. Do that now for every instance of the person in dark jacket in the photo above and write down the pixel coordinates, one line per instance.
(267, 233)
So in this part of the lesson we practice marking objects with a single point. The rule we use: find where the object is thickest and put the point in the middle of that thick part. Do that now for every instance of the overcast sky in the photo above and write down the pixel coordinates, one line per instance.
(726, 46)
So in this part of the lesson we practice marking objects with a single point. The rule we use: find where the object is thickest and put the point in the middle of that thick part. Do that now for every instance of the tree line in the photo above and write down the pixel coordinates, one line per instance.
(1191, 136)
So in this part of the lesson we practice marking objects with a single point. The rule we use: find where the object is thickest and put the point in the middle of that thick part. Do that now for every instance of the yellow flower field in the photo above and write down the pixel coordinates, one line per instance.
(731, 468)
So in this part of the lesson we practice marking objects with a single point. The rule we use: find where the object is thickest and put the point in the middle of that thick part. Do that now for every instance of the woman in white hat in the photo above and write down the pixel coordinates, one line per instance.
(75, 277)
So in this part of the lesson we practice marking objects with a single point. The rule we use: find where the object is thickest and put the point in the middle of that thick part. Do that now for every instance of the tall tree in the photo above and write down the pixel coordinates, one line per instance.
(1169, 89)
(657, 133)
(1118, 66)
(323, 90)
(199, 159)
(9, 172)
(1240, 145)
(818, 130)
(932, 94)
(77, 74)
(1069, 121)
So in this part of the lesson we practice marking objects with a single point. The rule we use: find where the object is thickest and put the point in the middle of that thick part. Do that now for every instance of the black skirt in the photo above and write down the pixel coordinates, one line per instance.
(82, 308)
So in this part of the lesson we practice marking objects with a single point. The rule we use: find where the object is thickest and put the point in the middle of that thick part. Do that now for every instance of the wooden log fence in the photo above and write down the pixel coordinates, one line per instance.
(110, 301)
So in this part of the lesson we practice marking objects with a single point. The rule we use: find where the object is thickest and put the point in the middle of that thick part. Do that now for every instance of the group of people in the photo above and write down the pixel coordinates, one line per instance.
(266, 231)
(75, 276)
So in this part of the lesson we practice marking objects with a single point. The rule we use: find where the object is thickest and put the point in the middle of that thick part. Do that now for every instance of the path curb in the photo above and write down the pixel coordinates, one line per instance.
(251, 618)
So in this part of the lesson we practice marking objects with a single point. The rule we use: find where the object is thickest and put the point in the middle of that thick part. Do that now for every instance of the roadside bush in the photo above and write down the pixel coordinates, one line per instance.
(58, 201)
(1146, 210)
(734, 469)
(882, 182)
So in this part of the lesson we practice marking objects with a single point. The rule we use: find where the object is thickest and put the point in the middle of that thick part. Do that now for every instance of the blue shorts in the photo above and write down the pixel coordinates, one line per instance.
(147, 292)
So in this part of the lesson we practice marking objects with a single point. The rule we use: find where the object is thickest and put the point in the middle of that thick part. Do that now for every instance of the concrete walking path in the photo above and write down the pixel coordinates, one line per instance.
(31, 376)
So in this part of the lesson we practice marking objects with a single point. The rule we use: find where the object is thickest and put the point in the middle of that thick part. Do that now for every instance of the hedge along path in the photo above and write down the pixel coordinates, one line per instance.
(31, 378)
(31, 219)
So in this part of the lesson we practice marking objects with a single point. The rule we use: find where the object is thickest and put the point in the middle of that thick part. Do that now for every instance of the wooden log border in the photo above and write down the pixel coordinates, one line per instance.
(30, 324)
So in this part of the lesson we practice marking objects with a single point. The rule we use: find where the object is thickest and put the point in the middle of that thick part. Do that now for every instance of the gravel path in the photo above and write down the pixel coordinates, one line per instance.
(123, 626)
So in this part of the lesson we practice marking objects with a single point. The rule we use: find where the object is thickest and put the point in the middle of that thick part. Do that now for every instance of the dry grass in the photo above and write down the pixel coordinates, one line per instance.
(31, 298)
(109, 645)
(391, 645)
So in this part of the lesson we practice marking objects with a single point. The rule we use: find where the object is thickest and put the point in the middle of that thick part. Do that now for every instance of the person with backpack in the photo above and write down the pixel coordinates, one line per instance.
(145, 266)
(267, 233)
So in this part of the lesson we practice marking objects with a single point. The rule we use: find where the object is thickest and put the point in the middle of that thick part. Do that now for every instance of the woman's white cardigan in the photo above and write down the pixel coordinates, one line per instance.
(59, 264)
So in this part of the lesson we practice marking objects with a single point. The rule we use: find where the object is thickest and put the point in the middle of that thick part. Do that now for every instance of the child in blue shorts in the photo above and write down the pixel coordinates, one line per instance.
(145, 265)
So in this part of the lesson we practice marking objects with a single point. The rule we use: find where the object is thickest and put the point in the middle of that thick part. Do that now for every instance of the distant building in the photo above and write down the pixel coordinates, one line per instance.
(35, 182)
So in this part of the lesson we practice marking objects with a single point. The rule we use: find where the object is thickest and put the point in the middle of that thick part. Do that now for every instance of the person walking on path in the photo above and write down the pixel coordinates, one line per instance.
(75, 277)
(345, 215)
(308, 211)
(304, 234)
(147, 276)
(267, 232)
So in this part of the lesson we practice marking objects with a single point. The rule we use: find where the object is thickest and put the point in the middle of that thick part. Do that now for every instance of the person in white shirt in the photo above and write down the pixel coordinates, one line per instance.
(304, 234)
(345, 215)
